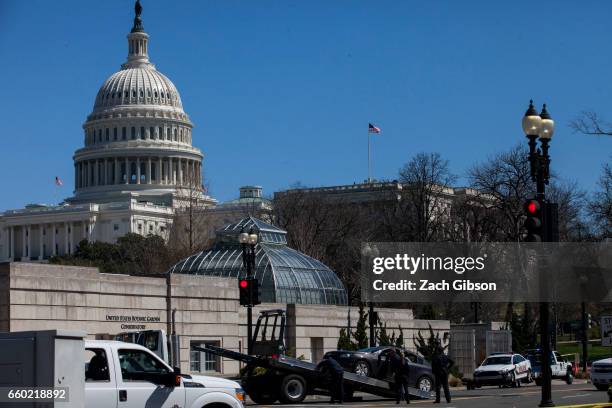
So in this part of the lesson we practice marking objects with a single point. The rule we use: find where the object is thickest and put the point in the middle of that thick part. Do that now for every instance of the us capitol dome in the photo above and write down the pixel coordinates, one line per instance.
(137, 166)
(138, 139)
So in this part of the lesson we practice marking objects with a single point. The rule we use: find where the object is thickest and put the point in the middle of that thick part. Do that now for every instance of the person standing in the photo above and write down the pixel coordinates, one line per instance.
(440, 364)
(399, 368)
(333, 374)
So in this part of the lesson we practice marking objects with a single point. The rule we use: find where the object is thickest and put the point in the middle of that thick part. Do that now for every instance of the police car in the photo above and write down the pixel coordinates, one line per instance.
(503, 369)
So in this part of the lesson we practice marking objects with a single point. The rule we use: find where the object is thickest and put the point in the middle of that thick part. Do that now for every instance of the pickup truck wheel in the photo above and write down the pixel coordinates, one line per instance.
(265, 397)
(293, 389)
(569, 377)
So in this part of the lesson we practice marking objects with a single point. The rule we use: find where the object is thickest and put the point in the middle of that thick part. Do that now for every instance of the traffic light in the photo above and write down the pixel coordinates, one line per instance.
(255, 292)
(244, 286)
(249, 292)
(589, 320)
(533, 222)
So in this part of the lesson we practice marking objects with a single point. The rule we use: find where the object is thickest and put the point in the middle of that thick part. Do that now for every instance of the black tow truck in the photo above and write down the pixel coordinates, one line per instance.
(269, 375)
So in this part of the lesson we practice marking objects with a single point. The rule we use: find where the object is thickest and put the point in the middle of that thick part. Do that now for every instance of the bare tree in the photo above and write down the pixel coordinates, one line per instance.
(503, 183)
(600, 206)
(190, 231)
(589, 123)
(424, 209)
(326, 228)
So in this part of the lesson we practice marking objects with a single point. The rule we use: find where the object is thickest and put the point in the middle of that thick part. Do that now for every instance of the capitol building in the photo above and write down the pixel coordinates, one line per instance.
(136, 168)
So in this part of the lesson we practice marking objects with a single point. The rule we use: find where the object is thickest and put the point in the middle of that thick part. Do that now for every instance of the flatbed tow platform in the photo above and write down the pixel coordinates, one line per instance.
(270, 376)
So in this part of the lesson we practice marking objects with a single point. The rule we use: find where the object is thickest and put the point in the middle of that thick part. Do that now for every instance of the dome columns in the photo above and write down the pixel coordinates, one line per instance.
(145, 170)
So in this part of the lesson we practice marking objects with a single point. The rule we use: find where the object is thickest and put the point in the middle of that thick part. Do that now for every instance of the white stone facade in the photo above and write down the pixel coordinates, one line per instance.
(206, 310)
(135, 168)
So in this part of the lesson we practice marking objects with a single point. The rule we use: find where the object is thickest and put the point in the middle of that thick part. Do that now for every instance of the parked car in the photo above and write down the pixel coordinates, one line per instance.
(601, 374)
(507, 369)
(373, 362)
(559, 366)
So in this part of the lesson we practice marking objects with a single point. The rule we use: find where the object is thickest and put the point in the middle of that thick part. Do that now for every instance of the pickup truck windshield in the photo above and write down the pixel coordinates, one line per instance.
(496, 361)
(138, 362)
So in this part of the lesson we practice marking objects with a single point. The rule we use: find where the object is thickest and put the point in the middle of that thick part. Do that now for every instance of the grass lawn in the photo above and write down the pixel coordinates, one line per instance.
(595, 350)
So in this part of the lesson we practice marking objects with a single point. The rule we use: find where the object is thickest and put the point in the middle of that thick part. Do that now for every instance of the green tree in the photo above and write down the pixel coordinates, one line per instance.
(427, 347)
(361, 334)
(344, 341)
(399, 341)
(382, 335)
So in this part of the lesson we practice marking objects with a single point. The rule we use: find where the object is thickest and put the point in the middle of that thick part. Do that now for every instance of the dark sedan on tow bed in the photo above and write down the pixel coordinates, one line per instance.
(373, 362)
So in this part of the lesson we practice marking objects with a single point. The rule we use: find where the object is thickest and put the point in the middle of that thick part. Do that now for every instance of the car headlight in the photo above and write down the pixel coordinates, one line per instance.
(240, 394)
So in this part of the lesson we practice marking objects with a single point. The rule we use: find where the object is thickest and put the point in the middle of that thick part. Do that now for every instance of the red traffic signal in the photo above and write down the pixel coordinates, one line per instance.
(249, 291)
(532, 207)
(533, 221)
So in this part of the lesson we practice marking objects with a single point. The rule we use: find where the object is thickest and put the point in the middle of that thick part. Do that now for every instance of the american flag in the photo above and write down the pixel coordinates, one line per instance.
(373, 129)
(58, 181)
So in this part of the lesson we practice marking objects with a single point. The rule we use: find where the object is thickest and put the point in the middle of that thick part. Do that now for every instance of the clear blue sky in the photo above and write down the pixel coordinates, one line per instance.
(282, 91)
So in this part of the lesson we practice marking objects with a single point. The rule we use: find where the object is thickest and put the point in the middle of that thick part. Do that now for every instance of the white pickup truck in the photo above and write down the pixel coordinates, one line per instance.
(103, 374)
(125, 375)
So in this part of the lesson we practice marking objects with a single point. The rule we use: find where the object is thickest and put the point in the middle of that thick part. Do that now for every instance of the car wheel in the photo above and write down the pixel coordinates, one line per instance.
(424, 384)
(569, 377)
(293, 389)
(362, 368)
(513, 380)
(602, 387)
(529, 378)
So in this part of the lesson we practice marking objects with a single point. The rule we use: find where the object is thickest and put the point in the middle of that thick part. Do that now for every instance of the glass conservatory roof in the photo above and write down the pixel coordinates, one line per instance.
(284, 274)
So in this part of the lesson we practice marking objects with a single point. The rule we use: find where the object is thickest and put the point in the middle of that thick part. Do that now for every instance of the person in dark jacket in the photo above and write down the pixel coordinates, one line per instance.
(440, 364)
(333, 374)
(399, 366)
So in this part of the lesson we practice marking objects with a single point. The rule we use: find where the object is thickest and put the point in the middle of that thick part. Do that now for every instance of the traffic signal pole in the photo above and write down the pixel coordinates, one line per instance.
(541, 126)
(585, 338)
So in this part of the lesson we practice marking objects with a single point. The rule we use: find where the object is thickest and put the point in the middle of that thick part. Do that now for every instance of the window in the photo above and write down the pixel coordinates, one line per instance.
(160, 135)
(133, 93)
(142, 132)
(124, 133)
(204, 362)
(115, 227)
(96, 365)
(175, 134)
(133, 133)
(107, 134)
(168, 133)
(99, 135)
(151, 132)
(115, 134)
(134, 363)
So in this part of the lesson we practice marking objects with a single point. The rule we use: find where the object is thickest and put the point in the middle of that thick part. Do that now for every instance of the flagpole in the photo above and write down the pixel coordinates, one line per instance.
(369, 165)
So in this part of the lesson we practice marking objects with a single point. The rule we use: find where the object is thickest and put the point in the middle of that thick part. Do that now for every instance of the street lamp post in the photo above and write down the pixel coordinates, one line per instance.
(541, 126)
(248, 242)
